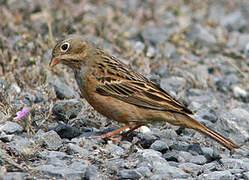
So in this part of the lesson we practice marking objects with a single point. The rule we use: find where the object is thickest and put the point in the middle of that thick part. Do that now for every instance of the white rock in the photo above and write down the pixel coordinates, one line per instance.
(139, 46)
(150, 52)
(16, 87)
(239, 92)
(145, 129)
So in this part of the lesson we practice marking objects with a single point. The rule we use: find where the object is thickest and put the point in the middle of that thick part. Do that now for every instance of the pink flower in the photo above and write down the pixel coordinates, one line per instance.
(21, 114)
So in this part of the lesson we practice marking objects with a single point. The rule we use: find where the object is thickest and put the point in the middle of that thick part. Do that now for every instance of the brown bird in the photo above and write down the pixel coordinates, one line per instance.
(121, 94)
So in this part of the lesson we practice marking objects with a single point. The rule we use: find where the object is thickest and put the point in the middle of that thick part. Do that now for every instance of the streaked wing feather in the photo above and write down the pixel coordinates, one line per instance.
(121, 82)
(140, 96)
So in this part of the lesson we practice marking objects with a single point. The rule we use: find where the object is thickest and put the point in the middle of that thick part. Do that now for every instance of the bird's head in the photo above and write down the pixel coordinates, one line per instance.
(69, 51)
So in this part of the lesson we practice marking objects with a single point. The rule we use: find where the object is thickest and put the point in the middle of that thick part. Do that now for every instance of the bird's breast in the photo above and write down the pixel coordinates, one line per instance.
(81, 77)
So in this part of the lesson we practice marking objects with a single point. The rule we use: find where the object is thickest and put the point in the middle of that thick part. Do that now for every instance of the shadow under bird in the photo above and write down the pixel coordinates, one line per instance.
(118, 92)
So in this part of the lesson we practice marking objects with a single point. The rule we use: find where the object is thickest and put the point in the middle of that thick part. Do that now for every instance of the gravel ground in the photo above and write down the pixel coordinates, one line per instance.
(196, 50)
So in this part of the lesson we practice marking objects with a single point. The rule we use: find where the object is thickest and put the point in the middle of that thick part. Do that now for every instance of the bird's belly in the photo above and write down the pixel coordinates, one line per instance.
(121, 111)
(113, 109)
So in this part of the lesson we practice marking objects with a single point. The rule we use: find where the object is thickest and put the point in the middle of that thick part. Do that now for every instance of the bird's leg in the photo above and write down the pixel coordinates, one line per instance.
(112, 133)
(132, 129)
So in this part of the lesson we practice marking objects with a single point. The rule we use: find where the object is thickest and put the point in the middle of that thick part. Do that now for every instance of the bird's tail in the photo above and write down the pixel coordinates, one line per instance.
(189, 122)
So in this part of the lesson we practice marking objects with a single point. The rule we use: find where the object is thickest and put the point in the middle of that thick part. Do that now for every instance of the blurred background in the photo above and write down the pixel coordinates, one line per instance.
(196, 50)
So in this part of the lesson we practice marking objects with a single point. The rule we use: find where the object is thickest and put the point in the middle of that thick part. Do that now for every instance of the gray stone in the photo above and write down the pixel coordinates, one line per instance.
(46, 58)
(159, 177)
(115, 150)
(228, 70)
(210, 116)
(195, 106)
(62, 90)
(11, 127)
(236, 171)
(25, 5)
(6, 137)
(243, 150)
(34, 97)
(129, 5)
(144, 171)
(139, 46)
(173, 163)
(246, 50)
(243, 40)
(170, 51)
(234, 21)
(159, 145)
(54, 154)
(195, 92)
(3, 83)
(190, 168)
(169, 135)
(195, 149)
(217, 12)
(170, 172)
(222, 175)
(2, 115)
(145, 140)
(92, 173)
(126, 145)
(171, 156)
(79, 165)
(185, 155)
(66, 131)
(87, 143)
(67, 109)
(226, 83)
(202, 76)
(76, 149)
(15, 176)
(236, 163)
(56, 162)
(115, 164)
(151, 52)
(162, 70)
(129, 174)
(61, 172)
(246, 175)
(240, 114)
(51, 140)
(172, 83)
(233, 39)
(156, 34)
(201, 35)
(152, 159)
(207, 151)
(15, 88)
(209, 167)
(199, 159)
(235, 122)
(21, 144)
(159, 167)
(38, 134)
(149, 155)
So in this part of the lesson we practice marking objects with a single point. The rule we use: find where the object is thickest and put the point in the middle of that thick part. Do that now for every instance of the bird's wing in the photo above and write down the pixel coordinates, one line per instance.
(120, 81)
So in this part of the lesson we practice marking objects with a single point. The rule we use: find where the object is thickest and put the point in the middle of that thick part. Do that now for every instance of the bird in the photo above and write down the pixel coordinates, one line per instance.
(121, 94)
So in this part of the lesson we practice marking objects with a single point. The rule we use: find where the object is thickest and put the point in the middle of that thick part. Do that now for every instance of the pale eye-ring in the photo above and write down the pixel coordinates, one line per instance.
(64, 47)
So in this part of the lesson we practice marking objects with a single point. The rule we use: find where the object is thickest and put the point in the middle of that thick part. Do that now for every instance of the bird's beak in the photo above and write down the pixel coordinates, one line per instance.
(54, 61)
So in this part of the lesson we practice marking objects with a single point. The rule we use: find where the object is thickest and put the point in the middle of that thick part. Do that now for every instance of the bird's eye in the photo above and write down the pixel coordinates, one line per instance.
(64, 47)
